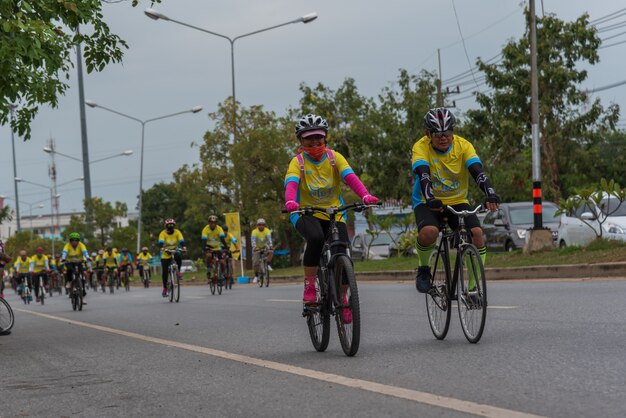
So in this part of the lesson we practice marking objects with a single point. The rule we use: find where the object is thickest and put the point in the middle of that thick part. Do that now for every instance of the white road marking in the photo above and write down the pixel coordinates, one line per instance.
(394, 391)
(454, 305)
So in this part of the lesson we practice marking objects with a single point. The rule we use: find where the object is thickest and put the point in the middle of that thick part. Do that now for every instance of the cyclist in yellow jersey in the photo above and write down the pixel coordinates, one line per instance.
(143, 259)
(317, 182)
(98, 266)
(125, 260)
(39, 268)
(213, 242)
(442, 163)
(21, 273)
(74, 255)
(169, 239)
(233, 246)
(261, 239)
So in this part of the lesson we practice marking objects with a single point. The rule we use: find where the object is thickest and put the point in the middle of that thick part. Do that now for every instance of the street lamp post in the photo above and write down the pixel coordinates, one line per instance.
(153, 14)
(120, 154)
(52, 197)
(143, 123)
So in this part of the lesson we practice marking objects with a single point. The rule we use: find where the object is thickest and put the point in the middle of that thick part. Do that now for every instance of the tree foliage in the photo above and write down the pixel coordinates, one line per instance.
(37, 40)
(571, 127)
(103, 214)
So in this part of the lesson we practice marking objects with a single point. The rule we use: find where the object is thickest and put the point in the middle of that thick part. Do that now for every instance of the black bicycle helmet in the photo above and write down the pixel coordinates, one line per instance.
(439, 119)
(311, 122)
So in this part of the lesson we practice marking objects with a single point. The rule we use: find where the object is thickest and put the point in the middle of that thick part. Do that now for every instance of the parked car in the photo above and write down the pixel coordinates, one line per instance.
(610, 212)
(187, 265)
(580, 232)
(379, 249)
(506, 228)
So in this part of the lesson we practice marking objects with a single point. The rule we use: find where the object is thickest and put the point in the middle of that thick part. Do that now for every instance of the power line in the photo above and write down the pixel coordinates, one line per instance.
(610, 45)
(458, 24)
(466, 73)
(614, 36)
(610, 16)
(607, 87)
(612, 27)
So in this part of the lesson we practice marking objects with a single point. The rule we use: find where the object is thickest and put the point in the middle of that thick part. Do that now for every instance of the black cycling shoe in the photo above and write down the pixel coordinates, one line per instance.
(422, 279)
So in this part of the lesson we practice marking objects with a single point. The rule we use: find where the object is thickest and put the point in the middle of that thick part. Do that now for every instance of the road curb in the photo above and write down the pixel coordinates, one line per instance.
(572, 271)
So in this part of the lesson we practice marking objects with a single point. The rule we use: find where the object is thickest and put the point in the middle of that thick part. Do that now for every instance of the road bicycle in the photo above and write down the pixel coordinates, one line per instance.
(7, 319)
(55, 283)
(215, 273)
(264, 273)
(110, 278)
(335, 283)
(76, 288)
(466, 284)
(173, 281)
(125, 273)
(40, 290)
(145, 276)
(24, 290)
(228, 270)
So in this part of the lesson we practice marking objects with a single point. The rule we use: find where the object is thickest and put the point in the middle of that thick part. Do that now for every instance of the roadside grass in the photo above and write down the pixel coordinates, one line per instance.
(599, 251)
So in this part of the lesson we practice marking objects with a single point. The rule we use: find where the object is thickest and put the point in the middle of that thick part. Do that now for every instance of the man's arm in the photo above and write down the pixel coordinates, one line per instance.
(423, 174)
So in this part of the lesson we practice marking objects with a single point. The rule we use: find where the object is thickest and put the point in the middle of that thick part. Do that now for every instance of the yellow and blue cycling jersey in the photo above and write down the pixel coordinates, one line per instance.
(231, 241)
(144, 259)
(125, 259)
(261, 240)
(110, 259)
(170, 241)
(321, 185)
(212, 237)
(448, 170)
(99, 261)
(38, 264)
(74, 254)
(21, 264)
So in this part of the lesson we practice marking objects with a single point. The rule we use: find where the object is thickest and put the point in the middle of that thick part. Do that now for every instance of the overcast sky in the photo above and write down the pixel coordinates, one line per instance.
(171, 68)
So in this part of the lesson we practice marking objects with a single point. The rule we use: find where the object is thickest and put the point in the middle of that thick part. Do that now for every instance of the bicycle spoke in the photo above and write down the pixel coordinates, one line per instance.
(472, 294)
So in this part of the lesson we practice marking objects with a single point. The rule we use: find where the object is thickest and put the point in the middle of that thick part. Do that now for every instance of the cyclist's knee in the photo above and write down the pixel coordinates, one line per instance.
(427, 235)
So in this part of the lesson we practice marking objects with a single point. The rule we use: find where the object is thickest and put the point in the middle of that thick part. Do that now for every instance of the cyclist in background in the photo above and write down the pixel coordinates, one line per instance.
(74, 255)
(261, 241)
(213, 241)
(110, 263)
(169, 239)
(143, 260)
(98, 266)
(4, 260)
(21, 267)
(317, 182)
(125, 261)
(449, 159)
(39, 267)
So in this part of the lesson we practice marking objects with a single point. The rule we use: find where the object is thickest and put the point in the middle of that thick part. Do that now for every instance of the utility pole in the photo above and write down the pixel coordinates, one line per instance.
(539, 239)
(12, 108)
(83, 120)
(54, 199)
(439, 92)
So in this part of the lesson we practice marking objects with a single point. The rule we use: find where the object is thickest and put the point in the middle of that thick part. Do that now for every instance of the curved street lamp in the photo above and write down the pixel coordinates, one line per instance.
(143, 123)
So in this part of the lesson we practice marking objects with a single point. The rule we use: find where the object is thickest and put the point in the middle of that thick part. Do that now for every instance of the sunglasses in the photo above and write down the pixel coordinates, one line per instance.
(444, 134)
(74, 240)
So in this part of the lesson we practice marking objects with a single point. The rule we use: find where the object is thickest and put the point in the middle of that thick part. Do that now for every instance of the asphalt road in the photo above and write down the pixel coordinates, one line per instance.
(550, 348)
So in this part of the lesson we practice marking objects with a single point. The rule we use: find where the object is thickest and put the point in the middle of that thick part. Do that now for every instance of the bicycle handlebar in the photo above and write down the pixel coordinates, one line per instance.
(332, 210)
(463, 213)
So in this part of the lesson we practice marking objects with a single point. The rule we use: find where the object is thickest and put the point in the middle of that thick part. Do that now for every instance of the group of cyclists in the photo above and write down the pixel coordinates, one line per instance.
(442, 163)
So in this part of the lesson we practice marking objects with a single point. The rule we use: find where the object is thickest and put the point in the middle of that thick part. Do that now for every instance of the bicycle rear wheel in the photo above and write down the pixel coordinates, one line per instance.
(318, 318)
(42, 292)
(437, 299)
(348, 314)
(170, 285)
(472, 294)
(7, 319)
(261, 277)
(220, 279)
(267, 275)
(127, 281)
(176, 286)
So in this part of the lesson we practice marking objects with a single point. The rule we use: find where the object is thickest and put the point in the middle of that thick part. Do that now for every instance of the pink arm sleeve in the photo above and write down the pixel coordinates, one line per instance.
(355, 184)
(291, 191)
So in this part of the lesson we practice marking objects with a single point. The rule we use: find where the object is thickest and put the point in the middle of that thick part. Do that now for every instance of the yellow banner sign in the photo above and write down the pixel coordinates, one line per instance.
(232, 221)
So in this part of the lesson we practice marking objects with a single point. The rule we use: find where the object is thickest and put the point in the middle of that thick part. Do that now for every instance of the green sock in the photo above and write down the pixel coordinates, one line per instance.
(470, 272)
(423, 253)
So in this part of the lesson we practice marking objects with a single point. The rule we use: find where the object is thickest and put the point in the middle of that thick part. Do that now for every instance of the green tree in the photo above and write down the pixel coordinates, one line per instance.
(160, 202)
(37, 41)
(24, 241)
(570, 125)
(79, 224)
(5, 214)
(103, 215)
(125, 237)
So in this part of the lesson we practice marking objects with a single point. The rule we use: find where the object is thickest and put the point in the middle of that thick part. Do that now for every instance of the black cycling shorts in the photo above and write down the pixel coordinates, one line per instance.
(424, 216)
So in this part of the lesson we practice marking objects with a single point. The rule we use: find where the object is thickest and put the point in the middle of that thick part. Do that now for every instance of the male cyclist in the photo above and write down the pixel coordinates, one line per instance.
(74, 255)
(143, 259)
(22, 274)
(98, 267)
(110, 263)
(213, 241)
(39, 268)
(169, 239)
(442, 163)
(125, 261)
(261, 241)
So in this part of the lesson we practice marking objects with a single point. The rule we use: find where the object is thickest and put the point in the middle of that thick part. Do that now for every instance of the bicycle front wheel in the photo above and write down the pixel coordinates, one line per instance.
(267, 276)
(7, 318)
(472, 294)
(437, 299)
(348, 314)
(220, 279)
(318, 318)
(176, 286)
